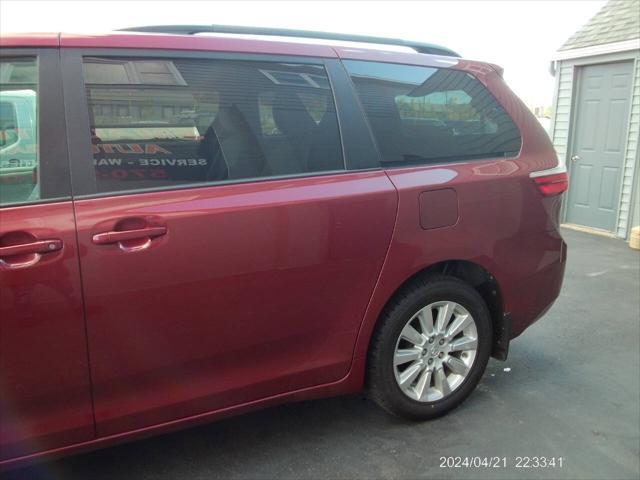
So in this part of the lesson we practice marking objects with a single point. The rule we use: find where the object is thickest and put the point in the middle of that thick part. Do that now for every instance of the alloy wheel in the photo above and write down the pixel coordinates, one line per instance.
(435, 351)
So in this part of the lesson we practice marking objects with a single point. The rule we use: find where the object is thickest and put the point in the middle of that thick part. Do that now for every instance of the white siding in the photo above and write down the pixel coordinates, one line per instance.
(562, 111)
(626, 209)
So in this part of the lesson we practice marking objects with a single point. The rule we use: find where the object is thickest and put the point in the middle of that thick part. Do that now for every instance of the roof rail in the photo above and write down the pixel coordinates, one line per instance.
(285, 32)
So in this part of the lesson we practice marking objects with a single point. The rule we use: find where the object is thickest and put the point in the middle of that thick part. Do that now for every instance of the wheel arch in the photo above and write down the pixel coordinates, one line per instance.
(485, 283)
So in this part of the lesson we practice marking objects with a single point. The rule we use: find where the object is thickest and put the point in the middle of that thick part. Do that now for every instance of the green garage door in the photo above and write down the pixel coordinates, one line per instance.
(600, 133)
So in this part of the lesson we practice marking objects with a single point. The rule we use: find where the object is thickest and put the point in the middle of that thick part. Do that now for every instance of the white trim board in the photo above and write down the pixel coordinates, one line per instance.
(602, 49)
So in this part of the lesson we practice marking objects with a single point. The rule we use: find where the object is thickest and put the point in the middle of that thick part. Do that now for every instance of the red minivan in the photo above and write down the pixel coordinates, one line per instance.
(195, 225)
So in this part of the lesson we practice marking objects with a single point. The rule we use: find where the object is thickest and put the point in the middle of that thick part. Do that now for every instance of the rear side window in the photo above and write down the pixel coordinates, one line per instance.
(427, 115)
(164, 122)
(18, 131)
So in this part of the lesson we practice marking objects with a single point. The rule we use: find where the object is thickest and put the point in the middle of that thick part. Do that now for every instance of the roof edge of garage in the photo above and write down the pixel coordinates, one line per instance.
(602, 49)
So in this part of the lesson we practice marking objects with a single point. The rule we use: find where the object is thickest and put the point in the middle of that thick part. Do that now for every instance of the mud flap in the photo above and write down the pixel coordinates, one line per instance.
(501, 338)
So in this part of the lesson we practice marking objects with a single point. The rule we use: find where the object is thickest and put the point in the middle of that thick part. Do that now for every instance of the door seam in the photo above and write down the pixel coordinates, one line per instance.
(75, 225)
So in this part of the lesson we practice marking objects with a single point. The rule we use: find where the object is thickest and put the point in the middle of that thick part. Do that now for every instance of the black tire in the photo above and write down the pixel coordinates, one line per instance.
(381, 383)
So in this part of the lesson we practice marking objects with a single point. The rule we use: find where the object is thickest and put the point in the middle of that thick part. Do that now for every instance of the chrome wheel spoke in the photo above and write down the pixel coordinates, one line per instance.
(444, 314)
(441, 382)
(459, 323)
(411, 335)
(406, 355)
(457, 366)
(409, 375)
(426, 321)
(422, 387)
(463, 343)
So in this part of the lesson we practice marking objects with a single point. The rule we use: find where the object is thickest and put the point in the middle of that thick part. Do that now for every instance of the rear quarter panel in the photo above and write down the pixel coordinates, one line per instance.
(504, 223)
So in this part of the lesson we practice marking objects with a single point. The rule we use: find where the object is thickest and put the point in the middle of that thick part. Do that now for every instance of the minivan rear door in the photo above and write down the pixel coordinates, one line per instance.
(227, 254)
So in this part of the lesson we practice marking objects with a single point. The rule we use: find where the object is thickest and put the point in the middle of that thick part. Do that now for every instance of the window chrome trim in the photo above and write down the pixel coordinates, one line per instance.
(222, 183)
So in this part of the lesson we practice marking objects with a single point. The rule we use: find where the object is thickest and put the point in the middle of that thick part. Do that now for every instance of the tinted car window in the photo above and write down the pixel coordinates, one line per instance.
(427, 115)
(164, 122)
(18, 131)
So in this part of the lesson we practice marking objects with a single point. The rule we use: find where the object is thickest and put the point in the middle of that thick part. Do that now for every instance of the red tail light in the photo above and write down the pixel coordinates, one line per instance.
(550, 185)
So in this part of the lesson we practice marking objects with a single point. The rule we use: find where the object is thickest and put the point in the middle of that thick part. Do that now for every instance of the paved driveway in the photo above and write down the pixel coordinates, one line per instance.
(570, 389)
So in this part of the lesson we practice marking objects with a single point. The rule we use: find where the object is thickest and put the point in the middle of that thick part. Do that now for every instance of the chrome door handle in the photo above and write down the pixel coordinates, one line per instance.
(575, 158)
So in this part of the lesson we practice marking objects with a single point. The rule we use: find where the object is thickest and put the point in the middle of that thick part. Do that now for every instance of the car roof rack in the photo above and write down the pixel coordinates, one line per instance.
(285, 32)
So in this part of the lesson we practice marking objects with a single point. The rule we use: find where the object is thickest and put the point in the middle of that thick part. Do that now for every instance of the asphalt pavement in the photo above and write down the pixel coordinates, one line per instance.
(570, 390)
